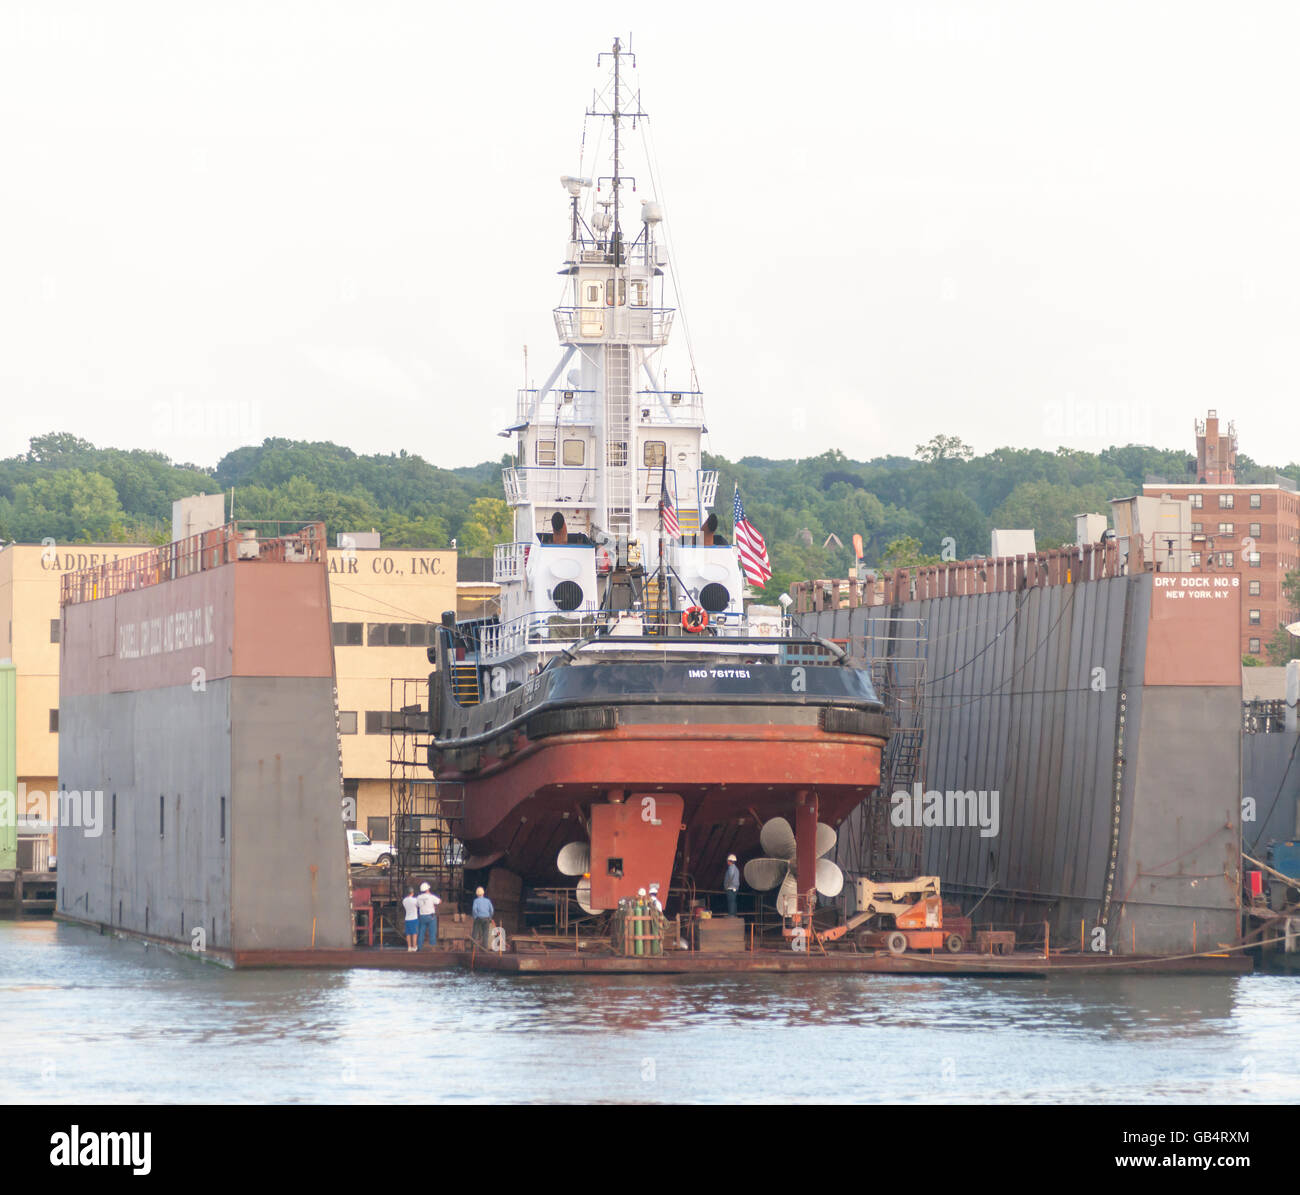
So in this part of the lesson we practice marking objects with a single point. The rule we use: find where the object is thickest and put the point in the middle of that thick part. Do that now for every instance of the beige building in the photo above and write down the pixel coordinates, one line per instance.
(384, 604)
(384, 607)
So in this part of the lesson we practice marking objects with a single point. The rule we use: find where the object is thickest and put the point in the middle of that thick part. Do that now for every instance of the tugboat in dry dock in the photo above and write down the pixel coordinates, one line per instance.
(625, 719)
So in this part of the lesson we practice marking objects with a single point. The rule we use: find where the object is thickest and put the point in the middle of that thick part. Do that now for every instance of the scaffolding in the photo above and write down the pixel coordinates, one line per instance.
(894, 651)
(425, 814)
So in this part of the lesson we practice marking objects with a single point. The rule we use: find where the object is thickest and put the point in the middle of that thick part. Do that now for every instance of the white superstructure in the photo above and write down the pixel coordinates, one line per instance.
(602, 440)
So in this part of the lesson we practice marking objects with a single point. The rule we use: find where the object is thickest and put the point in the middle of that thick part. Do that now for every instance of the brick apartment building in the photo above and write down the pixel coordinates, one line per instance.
(1251, 530)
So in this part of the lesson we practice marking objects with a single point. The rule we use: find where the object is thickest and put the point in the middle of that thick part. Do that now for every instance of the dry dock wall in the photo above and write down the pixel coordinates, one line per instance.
(202, 708)
(1106, 716)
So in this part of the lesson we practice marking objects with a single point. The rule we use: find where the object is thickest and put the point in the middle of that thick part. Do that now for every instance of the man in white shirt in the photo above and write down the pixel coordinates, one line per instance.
(427, 906)
(411, 907)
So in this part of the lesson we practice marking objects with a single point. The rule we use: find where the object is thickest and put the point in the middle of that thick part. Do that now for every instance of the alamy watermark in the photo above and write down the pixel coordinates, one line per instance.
(66, 809)
(953, 807)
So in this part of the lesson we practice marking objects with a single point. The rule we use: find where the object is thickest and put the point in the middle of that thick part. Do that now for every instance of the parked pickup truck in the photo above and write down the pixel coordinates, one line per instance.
(364, 853)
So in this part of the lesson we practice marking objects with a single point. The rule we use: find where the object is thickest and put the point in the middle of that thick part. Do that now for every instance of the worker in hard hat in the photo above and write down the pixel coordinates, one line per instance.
(731, 884)
(482, 911)
(654, 898)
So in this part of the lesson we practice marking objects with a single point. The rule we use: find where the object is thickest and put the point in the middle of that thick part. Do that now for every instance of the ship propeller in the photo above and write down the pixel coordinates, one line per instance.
(574, 859)
(776, 869)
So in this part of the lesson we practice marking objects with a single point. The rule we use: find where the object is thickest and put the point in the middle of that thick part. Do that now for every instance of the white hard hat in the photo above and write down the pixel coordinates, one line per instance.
(731, 858)
(424, 887)
(654, 887)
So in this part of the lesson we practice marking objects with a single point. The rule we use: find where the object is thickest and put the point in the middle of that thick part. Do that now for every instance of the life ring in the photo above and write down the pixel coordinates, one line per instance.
(694, 619)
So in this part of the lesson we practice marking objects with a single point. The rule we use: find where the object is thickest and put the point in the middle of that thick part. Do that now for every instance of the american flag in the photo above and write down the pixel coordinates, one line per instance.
(753, 550)
(666, 512)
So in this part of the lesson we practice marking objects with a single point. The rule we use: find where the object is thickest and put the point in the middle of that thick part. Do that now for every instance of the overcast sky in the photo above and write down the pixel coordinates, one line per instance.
(1028, 224)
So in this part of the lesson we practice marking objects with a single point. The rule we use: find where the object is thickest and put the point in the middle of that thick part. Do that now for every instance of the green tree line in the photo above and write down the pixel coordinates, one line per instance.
(808, 510)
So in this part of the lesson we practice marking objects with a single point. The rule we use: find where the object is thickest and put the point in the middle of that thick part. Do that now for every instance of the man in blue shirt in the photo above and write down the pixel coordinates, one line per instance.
(483, 912)
(731, 884)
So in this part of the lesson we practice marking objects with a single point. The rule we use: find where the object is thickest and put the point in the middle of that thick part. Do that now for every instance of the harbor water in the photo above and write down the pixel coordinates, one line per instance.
(90, 1018)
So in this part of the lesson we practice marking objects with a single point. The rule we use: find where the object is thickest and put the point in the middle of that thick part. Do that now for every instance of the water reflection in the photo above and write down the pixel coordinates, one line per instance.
(90, 1017)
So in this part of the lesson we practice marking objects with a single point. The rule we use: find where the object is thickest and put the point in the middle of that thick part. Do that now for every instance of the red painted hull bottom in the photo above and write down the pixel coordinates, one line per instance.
(521, 810)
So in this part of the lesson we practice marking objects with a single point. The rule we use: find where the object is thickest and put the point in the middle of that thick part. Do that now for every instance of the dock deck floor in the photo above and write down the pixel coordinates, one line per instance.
(687, 962)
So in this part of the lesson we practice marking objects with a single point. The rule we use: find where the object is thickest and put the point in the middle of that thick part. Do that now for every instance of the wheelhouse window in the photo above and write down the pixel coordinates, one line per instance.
(575, 452)
(545, 452)
(616, 292)
(640, 292)
(653, 453)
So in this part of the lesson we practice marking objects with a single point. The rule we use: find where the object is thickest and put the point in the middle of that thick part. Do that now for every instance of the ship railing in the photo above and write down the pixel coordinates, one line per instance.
(599, 251)
(642, 628)
(563, 405)
(508, 561)
(633, 325)
(549, 485)
(571, 407)
(677, 408)
(243, 540)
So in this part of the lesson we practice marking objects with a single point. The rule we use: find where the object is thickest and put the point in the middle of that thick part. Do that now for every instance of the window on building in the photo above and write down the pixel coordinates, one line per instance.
(347, 634)
(1254, 647)
(1254, 589)
(545, 452)
(1197, 528)
(1254, 618)
(398, 634)
(1252, 558)
(1197, 501)
(575, 452)
(1256, 529)
(1195, 559)
(377, 634)
(377, 829)
(653, 453)
(1255, 502)
(54, 721)
(54, 630)
(1228, 559)
(1227, 501)
(1225, 528)
(347, 721)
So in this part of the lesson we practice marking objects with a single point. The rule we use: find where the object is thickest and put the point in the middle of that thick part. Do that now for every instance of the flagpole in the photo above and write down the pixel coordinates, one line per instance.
(663, 487)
